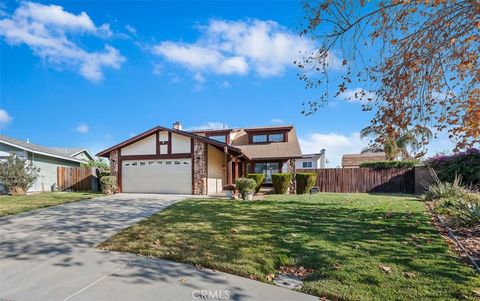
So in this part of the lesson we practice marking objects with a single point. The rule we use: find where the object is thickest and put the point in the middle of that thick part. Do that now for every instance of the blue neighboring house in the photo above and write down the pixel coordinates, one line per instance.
(45, 158)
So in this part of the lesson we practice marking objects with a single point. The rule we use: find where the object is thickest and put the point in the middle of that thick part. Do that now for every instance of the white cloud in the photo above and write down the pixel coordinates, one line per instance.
(5, 118)
(277, 120)
(132, 30)
(48, 31)
(215, 125)
(357, 95)
(82, 128)
(225, 85)
(237, 47)
(157, 69)
(199, 78)
(335, 145)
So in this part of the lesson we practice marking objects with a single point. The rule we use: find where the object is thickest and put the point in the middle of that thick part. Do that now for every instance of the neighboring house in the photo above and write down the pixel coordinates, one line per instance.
(312, 161)
(45, 158)
(170, 160)
(354, 160)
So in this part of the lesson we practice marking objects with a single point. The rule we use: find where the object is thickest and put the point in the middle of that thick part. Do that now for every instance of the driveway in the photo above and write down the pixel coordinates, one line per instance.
(50, 254)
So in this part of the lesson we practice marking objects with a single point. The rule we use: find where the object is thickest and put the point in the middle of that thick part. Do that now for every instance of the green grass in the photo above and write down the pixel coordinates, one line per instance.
(18, 204)
(355, 232)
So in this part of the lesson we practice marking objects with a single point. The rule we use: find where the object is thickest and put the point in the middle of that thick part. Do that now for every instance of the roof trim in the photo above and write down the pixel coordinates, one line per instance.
(272, 128)
(42, 153)
(153, 130)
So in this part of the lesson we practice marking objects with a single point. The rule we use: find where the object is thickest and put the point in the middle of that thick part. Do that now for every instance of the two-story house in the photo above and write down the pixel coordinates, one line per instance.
(171, 160)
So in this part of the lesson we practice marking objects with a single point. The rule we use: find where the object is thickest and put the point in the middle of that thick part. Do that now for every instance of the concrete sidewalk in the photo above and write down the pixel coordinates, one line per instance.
(50, 254)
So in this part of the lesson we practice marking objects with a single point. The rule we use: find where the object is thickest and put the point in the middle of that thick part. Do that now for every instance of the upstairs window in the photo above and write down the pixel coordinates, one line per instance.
(259, 138)
(265, 138)
(220, 138)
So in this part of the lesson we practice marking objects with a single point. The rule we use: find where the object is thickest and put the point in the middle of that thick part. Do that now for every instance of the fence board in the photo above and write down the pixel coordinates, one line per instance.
(77, 179)
(396, 180)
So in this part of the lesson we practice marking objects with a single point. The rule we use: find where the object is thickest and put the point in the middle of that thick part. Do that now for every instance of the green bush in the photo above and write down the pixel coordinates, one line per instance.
(109, 184)
(281, 182)
(389, 164)
(305, 182)
(245, 186)
(445, 190)
(17, 175)
(258, 178)
(465, 163)
(466, 210)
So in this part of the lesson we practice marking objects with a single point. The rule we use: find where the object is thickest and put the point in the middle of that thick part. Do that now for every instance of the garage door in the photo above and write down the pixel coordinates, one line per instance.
(157, 176)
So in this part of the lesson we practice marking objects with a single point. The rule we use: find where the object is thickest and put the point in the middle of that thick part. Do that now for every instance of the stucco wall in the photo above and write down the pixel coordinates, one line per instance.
(146, 146)
(82, 156)
(216, 173)
(48, 170)
(180, 144)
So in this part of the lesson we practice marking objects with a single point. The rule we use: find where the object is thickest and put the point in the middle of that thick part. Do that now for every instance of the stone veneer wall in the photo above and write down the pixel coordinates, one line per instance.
(293, 183)
(113, 163)
(199, 167)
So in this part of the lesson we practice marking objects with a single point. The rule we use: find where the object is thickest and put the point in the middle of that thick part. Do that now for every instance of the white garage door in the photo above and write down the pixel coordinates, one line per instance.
(157, 176)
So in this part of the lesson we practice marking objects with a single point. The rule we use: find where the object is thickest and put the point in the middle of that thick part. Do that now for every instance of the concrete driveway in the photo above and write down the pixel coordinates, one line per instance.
(50, 254)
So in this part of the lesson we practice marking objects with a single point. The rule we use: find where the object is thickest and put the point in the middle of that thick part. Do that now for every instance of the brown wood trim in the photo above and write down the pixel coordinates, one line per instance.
(154, 157)
(157, 143)
(119, 170)
(169, 146)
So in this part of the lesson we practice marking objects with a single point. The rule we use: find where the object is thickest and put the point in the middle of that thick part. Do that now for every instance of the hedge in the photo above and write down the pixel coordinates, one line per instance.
(389, 164)
(466, 163)
(245, 186)
(258, 177)
(305, 182)
(109, 184)
(281, 182)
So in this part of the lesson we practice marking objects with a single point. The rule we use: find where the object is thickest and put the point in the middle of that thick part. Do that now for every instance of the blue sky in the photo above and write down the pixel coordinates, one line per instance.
(93, 73)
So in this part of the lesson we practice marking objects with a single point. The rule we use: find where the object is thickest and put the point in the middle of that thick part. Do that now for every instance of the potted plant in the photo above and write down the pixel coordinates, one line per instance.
(246, 187)
(230, 190)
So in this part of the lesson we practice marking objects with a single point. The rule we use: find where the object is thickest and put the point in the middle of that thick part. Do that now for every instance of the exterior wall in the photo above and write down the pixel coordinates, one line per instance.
(215, 168)
(291, 169)
(114, 163)
(315, 163)
(180, 144)
(200, 167)
(48, 170)
(82, 156)
(146, 146)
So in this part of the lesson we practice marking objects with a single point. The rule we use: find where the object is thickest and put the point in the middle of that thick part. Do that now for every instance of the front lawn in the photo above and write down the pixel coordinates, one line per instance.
(18, 204)
(361, 247)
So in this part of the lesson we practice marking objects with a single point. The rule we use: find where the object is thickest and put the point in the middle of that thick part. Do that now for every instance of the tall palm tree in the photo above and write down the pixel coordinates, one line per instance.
(397, 146)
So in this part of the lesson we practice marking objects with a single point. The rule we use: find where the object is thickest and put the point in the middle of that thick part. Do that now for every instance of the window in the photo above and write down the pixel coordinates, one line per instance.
(259, 138)
(220, 138)
(168, 163)
(176, 162)
(142, 163)
(275, 138)
(134, 163)
(150, 162)
(307, 165)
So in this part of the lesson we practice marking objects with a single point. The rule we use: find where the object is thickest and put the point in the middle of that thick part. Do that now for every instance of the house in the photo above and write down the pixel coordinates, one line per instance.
(171, 160)
(45, 158)
(312, 161)
(354, 160)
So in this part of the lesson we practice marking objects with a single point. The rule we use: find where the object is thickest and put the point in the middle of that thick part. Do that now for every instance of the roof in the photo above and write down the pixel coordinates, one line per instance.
(38, 149)
(269, 151)
(72, 152)
(354, 160)
(106, 153)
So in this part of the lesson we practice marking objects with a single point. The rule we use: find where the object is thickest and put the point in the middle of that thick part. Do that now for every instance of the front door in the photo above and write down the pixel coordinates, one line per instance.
(267, 169)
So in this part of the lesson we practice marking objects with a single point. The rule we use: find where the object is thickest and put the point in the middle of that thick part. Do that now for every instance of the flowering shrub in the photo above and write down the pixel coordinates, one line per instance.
(466, 164)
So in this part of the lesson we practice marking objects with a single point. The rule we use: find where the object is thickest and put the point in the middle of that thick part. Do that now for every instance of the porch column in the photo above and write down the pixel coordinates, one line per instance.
(229, 170)
(244, 169)
(236, 168)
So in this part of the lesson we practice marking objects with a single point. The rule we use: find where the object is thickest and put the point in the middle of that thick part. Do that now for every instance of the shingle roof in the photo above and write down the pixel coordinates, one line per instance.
(67, 151)
(35, 148)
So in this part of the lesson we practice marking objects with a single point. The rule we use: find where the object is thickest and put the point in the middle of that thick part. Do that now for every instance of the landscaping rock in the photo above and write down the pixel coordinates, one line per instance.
(287, 281)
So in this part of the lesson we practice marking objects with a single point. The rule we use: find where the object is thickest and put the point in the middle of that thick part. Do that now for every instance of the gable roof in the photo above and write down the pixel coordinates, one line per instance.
(72, 152)
(106, 153)
(37, 149)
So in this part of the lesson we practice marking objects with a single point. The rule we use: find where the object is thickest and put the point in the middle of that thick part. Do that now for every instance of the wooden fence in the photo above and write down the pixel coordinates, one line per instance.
(77, 179)
(398, 180)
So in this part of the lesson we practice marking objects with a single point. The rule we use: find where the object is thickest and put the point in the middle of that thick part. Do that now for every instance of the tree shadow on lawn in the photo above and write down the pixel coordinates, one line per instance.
(257, 237)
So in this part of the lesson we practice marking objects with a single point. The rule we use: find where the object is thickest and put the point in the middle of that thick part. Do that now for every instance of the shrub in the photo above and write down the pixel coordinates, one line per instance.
(445, 190)
(281, 182)
(17, 175)
(245, 186)
(258, 178)
(109, 184)
(466, 164)
(466, 211)
(389, 164)
(305, 182)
